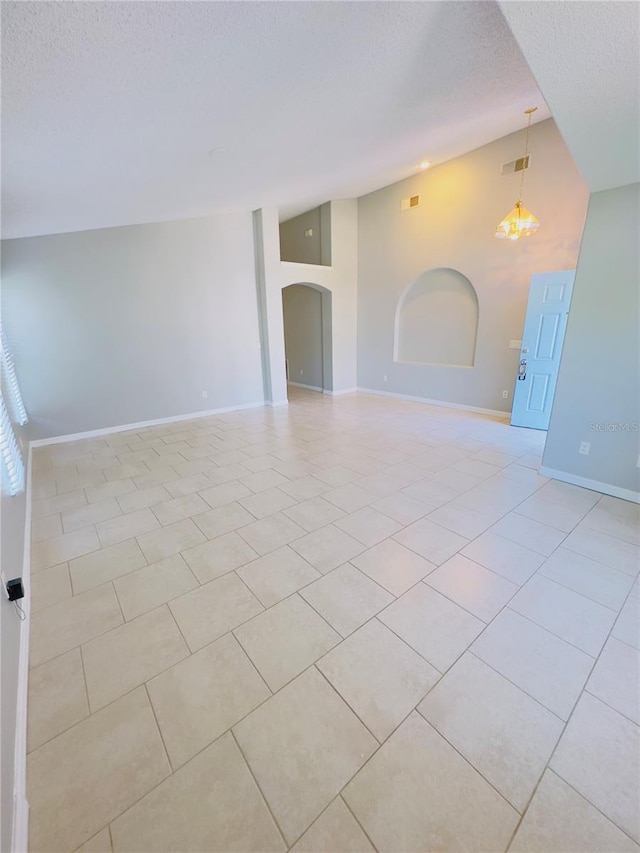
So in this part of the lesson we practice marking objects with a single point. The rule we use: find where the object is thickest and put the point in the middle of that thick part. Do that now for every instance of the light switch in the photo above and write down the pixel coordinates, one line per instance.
(515, 344)
(308, 232)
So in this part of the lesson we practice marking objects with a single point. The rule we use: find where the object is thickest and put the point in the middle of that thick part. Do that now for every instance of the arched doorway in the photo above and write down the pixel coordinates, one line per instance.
(306, 312)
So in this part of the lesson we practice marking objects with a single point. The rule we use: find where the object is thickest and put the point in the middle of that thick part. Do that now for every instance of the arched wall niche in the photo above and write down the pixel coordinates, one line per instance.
(436, 320)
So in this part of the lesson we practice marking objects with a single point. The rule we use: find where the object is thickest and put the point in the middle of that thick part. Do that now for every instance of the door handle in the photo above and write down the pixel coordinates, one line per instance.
(522, 369)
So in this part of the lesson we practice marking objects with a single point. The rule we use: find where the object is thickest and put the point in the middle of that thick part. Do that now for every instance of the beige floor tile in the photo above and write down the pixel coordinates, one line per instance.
(599, 756)
(267, 502)
(314, 513)
(100, 843)
(57, 698)
(431, 541)
(157, 477)
(335, 830)
(116, 662)
(270, 533)
(179, 508)
(210, 611)
(507, 736)
(578, 620)
(334, 476)
(170, 540)
(627, 627)
(473, 587)
(556, 515)
(101, 766)
(58, 503)
(143, 498)
(127, 527)
(130, 469)
(350, 498)
(115, 489)
(393, 566)
(105, 565)
(401, 508)
(228, 813)
(594, 580)
(261, 480)
(418, 793)
(504, 557)
(285, 640)
(52, 552)
(71, 622)
(368, 526)
(346, 598)
(50, 587)
(428, 492)
(327, 548)
(431, 624)
(616, 678)
(616, 553)
(617, 518)
(85, 516)
(225, 493)
(199, 699)
(46, 527)
(379, 677)
(463, 520)
(544, 666)
(218, 556)
(223, 519)
(149, 587)
(188, 485)
(529, 533)
(560, 819)
(305, 487)
(303, 745)
(277, 575)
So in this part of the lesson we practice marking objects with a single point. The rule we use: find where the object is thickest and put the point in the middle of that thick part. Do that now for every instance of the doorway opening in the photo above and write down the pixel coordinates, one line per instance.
(306, 312)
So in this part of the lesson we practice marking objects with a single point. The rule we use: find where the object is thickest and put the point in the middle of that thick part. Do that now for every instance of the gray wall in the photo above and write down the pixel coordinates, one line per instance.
(12, 552)
(462, 201)
(316, 249)
(302, 312)
(130, 324)
(599, 379)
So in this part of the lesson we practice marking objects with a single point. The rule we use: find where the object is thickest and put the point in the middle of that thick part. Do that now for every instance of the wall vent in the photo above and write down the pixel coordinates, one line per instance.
(408, 203)
(518, 165)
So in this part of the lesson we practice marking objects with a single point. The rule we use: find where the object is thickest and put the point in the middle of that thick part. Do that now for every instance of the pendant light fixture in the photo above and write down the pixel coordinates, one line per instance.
(520, 222)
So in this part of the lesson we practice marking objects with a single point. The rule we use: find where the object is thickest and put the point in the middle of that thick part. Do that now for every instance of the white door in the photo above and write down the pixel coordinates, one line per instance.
(542, 339)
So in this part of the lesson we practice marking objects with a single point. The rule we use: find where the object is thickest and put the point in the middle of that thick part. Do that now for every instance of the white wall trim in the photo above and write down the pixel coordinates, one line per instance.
(343, 391)
(443, 403)
(96, 433)
(275, 403)
(20, 829)
(594, 485)
(308, 387)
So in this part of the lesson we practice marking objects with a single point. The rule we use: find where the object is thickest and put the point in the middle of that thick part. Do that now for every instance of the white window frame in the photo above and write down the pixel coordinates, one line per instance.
(9, 447)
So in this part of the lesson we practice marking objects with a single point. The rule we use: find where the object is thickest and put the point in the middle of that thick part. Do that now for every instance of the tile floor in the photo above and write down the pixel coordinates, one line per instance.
(354, 624)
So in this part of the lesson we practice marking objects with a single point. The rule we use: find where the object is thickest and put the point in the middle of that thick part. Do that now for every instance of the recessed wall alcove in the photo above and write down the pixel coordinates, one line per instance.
(437, 320)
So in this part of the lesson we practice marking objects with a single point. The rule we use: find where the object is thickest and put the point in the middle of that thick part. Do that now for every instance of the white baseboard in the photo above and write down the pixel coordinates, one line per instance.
(97, 433)
(273, 404)
(20, 828)
(308, 387)
(443, 403)
(594, 485)
(343, 391)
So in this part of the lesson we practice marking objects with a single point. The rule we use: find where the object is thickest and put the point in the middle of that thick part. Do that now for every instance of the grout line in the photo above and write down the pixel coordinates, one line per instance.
(257, 784)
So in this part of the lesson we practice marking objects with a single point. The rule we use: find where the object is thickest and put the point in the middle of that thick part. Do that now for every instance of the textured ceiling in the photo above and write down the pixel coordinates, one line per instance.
(586, 59)
(110, 109)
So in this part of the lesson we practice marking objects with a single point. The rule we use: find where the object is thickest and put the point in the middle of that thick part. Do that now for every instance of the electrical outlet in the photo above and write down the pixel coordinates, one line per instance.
(585, 447)
(638, 462)
(302, 373)
(385, 377)
(505, 394)
(205, 394)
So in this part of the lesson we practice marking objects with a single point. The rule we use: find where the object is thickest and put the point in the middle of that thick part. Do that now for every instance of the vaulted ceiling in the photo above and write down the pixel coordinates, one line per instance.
(121, 112)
